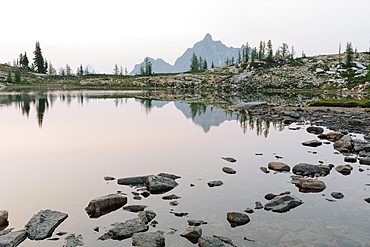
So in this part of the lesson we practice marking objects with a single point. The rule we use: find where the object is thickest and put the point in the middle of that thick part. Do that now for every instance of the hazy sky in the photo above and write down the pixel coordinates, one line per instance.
(102, 33)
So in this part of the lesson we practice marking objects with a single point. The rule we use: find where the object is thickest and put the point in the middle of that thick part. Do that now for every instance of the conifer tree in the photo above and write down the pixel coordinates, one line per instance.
(9, 77)
(116, 69)
(246, 53)
(24, 62)
(194, 64)
(17, 76)
(261, 51)
(212, 65)
(205, 65)
(38, 60)
(201, 61)
(349, 54)
(270, 52)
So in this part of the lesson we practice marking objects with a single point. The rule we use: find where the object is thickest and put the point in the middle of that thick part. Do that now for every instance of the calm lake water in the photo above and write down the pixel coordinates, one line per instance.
(56, 148)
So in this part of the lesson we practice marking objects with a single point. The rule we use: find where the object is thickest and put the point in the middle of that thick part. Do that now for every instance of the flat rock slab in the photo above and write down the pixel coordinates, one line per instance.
(278, 166)
(146, 216)
(72, 240)
(210, 242)
(42, 224)
(148, 239)
(139, 180)
(311, 185)
(215, 183)
(168, 175)
(171, 197)
(305, 169)
(125, 230)
(312, 143)
(237, 219)
(11, 239)
(283, 203)
(196, 222)
(105, 204)
(159, 184)
(134, 208)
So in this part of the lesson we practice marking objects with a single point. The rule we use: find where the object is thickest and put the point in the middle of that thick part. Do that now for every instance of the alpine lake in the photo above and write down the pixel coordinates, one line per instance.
(56, 147)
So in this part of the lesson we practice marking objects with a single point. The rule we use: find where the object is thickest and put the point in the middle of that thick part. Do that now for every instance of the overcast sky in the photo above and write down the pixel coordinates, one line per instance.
(102, 33)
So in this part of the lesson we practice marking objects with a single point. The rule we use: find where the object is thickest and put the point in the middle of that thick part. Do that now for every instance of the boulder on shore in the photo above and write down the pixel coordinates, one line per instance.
(278, 166)
(43, 224)
(105, 204)
(283, 203)
(159, 184)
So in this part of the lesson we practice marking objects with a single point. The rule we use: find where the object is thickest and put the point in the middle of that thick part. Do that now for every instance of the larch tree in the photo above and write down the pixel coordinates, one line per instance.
(38, 60)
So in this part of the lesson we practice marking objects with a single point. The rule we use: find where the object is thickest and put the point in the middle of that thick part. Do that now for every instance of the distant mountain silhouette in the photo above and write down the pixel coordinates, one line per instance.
(208, 49)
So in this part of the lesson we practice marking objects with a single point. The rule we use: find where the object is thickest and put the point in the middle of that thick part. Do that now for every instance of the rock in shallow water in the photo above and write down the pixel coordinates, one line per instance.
(315, 130)
(4, 217)
(237, 219)
(337, 195)
(134, 208)
(124, 230)
(278, 166)
(10, 239)
(344, 169)
(228, 170)
(230, 159)
(159, 184)
(311, 185)
(192, 233)
(215, 183)
(148, 239)
(146, 216)
(42, 224)
(283, 203)
(206, 241)
(305, 169)
(72, 240)
(105, 204)
(312, 143)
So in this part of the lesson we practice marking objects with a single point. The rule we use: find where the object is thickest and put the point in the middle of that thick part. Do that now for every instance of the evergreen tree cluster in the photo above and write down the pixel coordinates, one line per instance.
(146, 67)
(198, 63)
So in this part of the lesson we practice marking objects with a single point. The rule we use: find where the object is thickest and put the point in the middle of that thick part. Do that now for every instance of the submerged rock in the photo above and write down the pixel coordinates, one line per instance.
(42, 224)
(283, 203)
(311, 185)
(278, 166)
(72, 240)
(264, 169)
(159, 184)
(134, 208)
(258, 205)
(206, 241)
(305, 169)
(237, 219)
(105, 204)
(196, 222)
(10, 239)
(226, 240)
(171, 197)
(148, 239)
(215, 183)
(124, 230)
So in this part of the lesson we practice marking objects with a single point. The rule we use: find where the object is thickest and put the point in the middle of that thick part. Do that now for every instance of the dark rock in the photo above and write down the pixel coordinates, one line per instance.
(283, 203)
(305, 169)
(210, 242)
(315, 130)
(196, 222)
(192, 185)
(278, 166)
(192, 233)
(4, 217)
(264, 169)
(337, 195)
(174, 203)
(11, 239)
(107, 178)
(159, 184)
(350, 159)
(226, 240)
(367, 200)
(61, 233)
(125, 230)
(295, 179)
(258, 205)
(343, 145)
(332, 136)
(43, 224)
(96, 229)
(237, 219)
(228, 170)
(181, 214)
(344, 169)
(171, 197)
(364, 161)
(154, 223)
(134, 208)
(137, 197)
(72, 240)
(249, 210)
(146, 216)
(311, 185)
(230, 159)
(361, 170)
(313, 143)
(145, 193)
(105, 204)
(140, 180)
(269, 196)
(215, 183)
(168, 175)
(148, 239)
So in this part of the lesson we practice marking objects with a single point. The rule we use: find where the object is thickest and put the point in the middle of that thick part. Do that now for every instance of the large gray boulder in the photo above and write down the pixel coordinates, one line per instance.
(148, 239)
(283, 203)
(71, 240)
(11, 239)
(3, 217)
(210, 242)
(42, 224)
(125, 230)
(305, 169)
(192, 233)
(311, 185)
(159, 184)
(139, 180)
(105, 204)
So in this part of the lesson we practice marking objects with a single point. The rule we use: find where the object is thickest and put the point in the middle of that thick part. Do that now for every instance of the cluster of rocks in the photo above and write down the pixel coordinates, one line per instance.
(41, 226)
